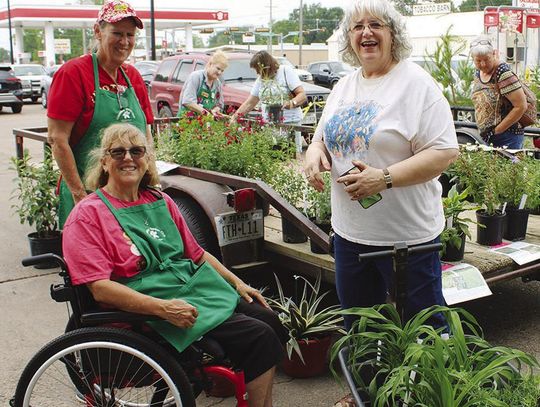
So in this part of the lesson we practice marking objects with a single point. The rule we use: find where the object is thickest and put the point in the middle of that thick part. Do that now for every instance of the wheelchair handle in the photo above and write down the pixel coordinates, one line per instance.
(432, 247)
(44, 258)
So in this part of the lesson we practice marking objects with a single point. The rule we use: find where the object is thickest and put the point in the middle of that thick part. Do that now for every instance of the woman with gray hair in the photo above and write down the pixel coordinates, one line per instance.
(498, 98)
(386, 134)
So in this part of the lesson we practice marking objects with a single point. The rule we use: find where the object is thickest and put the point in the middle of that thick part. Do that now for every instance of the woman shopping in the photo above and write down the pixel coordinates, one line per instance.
(91, 92)
(498, 97)
(203, 91)
(131, 246)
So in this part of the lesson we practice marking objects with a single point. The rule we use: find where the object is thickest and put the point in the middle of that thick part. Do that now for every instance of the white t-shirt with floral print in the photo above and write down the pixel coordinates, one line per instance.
(381, 122)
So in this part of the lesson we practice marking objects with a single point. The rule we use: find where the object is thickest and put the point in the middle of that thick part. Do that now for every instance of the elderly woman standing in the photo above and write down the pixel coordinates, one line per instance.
(91, 92)
(499, 100)
(203, 91)
(139, 256)
(389, 122)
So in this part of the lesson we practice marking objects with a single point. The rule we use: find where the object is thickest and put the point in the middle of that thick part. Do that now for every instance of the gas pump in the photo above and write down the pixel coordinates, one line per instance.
(516, 32)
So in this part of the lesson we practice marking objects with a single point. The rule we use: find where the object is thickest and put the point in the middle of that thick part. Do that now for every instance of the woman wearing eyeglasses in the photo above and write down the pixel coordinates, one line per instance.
(498, 98)
(89, 93)
(130, 245)
(390, 128)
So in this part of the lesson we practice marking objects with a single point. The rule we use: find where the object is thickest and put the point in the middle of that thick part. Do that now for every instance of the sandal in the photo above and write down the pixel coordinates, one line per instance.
(347, 401)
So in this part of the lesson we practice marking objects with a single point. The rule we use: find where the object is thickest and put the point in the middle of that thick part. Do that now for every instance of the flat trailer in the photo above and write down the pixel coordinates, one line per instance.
(248, 240)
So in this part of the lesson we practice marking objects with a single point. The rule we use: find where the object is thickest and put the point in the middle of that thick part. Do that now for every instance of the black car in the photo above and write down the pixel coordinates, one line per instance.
(10, 90)
(328, 73)
(147, 69)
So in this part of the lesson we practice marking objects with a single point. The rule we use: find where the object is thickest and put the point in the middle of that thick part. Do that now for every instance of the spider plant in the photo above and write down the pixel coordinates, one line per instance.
(418, 365)
(305, 318)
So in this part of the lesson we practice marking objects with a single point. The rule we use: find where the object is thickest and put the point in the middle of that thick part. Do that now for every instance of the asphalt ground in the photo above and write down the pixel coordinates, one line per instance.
(29, 318)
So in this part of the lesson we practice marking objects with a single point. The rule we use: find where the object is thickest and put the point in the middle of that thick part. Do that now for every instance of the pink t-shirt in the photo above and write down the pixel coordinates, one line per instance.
(96, 248)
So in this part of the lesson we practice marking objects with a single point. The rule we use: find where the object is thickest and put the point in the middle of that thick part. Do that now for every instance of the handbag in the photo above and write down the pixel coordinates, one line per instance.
(529, 117)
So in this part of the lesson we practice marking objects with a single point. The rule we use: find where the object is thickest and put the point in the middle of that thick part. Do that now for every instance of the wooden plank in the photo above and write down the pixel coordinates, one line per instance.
(490, 264)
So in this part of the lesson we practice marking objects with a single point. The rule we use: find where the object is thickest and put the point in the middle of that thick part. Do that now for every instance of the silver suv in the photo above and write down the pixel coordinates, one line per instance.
(30, 75)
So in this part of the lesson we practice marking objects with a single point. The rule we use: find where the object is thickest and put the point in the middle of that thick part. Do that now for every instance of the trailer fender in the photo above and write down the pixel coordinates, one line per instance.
(468, 135)
(209, 195)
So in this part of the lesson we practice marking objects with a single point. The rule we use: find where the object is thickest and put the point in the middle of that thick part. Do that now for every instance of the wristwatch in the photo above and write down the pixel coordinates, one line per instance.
(387, 178)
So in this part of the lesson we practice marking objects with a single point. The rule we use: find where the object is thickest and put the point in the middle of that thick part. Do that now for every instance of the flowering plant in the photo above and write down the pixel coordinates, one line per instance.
(246, 149)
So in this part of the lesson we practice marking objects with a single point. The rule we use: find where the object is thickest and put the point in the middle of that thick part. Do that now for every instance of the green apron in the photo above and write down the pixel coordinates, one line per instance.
(106, 112)
(169, 275)
(205, 97)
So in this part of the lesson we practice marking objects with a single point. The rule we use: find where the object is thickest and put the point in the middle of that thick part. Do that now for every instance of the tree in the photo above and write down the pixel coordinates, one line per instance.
(470, 5)
(318, 22)
(33, 42)
(4, 55)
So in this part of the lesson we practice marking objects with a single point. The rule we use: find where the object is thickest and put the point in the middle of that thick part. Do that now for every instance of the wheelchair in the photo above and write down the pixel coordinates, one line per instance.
(111, 358)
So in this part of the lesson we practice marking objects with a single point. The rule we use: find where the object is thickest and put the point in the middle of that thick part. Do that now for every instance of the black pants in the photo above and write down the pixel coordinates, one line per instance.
(252, 338)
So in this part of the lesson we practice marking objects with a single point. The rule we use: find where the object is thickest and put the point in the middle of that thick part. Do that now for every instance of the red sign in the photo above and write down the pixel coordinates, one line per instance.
(491, 19)
(511, 20)
(164, 44)
(533, 21)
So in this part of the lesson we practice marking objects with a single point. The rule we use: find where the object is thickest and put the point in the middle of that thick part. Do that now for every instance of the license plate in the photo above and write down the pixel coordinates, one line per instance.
(235, 227)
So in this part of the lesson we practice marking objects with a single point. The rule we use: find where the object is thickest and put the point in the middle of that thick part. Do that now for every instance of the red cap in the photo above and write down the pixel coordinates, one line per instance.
(114, 11)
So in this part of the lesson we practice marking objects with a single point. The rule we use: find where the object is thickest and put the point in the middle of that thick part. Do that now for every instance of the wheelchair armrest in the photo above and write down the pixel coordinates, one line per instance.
(108, 317)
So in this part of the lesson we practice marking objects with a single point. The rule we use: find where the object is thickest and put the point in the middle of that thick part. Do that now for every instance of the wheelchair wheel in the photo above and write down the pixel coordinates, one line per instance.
(103, 367)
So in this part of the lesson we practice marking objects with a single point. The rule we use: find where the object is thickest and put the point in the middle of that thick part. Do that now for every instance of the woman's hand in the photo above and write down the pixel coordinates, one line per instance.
(179, 313)
(216, 112)
(362, 181)
(248, 293)
(316, 162)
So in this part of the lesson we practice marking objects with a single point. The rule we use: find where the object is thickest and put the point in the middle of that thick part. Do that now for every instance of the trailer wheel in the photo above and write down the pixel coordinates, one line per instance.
(199, 224)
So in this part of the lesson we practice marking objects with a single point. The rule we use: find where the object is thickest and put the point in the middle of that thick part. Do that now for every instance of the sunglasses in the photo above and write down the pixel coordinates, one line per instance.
(481, 42)
(119, 153)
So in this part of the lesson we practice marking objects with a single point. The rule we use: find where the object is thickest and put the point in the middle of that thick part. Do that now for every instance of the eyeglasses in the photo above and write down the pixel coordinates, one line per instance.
(373, 26)
(119, 153)
(481, 42)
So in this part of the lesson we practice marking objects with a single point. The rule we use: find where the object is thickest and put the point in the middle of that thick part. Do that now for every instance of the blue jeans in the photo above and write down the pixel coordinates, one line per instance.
(364, 284)
(508, 139)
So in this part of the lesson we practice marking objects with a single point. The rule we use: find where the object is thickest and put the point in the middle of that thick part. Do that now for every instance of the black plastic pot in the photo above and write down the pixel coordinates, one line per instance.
(492, 232)
(516, 223)
(275, 113)
(315, 248)
(444, 179)
(291, 234)
(47, 244)
(453, 253)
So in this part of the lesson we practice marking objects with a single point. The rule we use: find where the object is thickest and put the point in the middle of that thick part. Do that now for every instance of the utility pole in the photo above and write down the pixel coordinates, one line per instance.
(10, 35)
(270, 22)
(300, 34)
(152, 30)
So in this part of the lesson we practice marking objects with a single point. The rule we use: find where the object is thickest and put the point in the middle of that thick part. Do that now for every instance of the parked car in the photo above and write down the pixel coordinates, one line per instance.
(328, 73)
(304, 75)
(34, 73)
(147, 69)
(10, 90)
(46, 84)
(238, 79)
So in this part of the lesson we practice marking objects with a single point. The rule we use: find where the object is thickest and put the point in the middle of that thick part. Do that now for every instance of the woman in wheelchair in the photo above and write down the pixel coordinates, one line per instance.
(131, 247)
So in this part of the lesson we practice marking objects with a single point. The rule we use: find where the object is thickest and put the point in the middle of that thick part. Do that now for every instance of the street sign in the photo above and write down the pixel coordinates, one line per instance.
(207, 31)
(248, 38)
(62, 46)
(431, 8)
(262, 30)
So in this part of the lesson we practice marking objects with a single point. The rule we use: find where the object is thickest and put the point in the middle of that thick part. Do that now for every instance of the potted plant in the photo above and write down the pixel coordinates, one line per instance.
(417, 365)
(520, 193)
(288, 181)
(272, 96)
(457, 228)
(247, 150)
(310, 327)
(480, 171)
(37, 203)
(319, 209)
